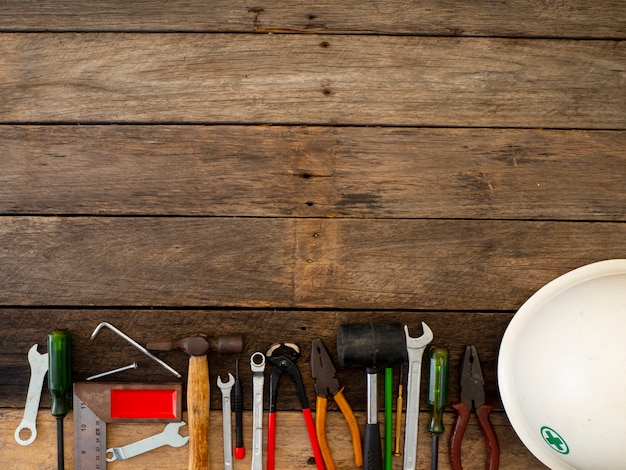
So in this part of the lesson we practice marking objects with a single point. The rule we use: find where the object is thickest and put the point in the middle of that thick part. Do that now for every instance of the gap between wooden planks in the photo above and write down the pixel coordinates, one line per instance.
(575, 18)
(292, 453)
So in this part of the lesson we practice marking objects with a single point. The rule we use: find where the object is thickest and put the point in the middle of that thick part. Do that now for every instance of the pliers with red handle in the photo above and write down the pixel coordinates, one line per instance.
(473, 398)
(283, 358)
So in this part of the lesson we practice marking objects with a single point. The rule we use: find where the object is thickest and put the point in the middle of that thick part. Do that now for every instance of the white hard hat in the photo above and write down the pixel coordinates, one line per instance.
(562, 369)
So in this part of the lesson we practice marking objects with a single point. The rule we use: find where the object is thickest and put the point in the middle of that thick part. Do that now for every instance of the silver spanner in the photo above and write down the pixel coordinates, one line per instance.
(257, 366)
(227, 426)
(38, 369)
(415, 350)
(168, 437)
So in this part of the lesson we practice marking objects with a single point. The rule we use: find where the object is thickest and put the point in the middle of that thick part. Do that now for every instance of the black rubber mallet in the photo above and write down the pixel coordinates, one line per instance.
(370, 346)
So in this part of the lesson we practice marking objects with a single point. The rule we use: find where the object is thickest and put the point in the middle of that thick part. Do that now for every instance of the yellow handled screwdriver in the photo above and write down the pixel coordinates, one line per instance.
(59, 382)
(437, 396)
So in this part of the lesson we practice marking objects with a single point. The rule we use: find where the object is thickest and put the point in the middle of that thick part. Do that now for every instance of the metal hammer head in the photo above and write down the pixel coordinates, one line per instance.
(371, 344)
(199, 345)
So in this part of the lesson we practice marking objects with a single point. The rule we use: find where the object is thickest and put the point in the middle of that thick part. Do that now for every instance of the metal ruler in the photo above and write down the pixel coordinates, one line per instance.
(96, 404)
(90, 437)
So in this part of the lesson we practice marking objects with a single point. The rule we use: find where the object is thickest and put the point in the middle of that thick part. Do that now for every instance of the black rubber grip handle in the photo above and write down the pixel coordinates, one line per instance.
(372, 453)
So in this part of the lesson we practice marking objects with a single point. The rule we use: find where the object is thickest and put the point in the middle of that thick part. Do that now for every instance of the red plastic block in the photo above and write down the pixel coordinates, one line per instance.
(142, 404)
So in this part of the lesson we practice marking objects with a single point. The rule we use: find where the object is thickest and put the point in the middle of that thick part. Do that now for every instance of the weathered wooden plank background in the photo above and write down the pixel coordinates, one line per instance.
(516, 18)
(277, 169)
(308, 79)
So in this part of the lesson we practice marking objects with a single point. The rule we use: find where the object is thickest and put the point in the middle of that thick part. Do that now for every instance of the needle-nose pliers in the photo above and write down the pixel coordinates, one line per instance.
(473, 397)
(283, 358)
(327, 386)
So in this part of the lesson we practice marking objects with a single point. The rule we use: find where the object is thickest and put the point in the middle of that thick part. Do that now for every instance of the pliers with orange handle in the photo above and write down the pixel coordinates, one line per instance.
(326, 386)
(473, 398)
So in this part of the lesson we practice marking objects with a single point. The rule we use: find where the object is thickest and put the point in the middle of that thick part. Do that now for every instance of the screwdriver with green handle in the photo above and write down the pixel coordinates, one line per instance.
(437, 397)
(59, 382)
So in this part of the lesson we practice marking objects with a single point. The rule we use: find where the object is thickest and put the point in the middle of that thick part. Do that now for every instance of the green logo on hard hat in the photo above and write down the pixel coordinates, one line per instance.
(554, 440)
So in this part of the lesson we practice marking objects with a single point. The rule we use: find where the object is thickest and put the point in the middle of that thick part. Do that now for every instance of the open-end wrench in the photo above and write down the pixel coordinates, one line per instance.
(38, 369)
(168, 437)
(227, 426)
(415, 350)
(257, 366)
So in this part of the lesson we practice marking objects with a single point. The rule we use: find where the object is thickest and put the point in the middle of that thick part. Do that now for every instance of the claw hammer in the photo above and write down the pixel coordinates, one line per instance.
(198, 391)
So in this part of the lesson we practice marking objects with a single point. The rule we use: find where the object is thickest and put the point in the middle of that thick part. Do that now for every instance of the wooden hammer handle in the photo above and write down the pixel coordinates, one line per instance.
(198, 403)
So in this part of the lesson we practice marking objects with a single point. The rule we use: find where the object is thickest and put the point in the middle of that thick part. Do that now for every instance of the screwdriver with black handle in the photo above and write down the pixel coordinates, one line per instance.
(59, 382)
(437, 397)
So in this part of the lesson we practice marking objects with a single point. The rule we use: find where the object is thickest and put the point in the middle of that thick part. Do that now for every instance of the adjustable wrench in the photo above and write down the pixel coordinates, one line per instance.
(226, 388)
(415, 349)
(168, 437)
(38, 369)
(257, 366)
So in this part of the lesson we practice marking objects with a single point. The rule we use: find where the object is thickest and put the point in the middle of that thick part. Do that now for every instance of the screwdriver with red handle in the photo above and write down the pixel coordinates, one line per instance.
(59, 382)
(240, 450)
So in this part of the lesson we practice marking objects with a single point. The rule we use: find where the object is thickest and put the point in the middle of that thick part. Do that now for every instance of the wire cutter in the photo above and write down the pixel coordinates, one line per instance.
(473, 397)
(326, 386)
(283, 358)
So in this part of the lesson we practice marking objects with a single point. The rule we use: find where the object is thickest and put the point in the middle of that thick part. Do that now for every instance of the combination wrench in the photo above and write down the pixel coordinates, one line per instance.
(415, 350)
(38, 369)
(168, 437)
(226, 388)
(257, 366)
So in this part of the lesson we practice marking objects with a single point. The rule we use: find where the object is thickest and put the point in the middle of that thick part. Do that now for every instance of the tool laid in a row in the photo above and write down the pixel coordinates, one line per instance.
(26, 431)
(227, 430)
(370, 346)
(96, 404)
(168, 437)
(437, 397)
(257, 365)
(327, 386)
(473, 398)
(377, 345)
(60, 383)
(57, 364)
(240, 450)
(198, 390)
(283, 357)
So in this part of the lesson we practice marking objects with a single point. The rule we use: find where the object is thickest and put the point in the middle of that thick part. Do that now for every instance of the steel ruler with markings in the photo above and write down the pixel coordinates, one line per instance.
(90, 437)
(96, 404)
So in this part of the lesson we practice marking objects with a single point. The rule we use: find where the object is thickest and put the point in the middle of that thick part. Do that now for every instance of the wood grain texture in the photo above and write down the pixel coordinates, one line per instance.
(267, 171)
(191, 260)
(304, 79)
(575, 18)
(320, 263)
(198, 413)
(41, 455)
(278, 169)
